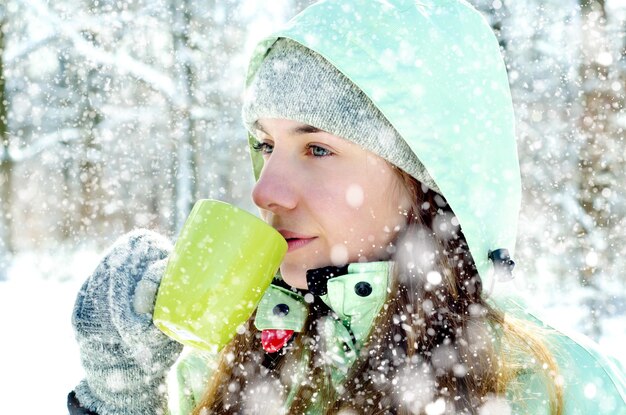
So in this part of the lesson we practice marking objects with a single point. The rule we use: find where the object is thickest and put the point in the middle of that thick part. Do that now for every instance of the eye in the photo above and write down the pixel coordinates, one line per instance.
(317, 151)
(262, 147)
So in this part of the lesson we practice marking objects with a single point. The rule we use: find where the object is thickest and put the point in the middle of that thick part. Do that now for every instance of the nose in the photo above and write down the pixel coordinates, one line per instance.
(276, 190)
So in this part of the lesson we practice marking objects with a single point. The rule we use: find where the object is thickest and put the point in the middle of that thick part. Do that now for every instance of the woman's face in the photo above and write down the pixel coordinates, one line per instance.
(334, 202)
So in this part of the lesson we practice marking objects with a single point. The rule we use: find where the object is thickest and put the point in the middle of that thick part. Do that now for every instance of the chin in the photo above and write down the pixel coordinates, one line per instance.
(296, 278)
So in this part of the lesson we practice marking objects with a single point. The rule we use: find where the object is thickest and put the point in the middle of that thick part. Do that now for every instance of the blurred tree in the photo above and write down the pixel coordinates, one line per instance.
(91, 158)
(134, 84)
(6, 163)
(601, 159)
(593, 127)
(183, 124)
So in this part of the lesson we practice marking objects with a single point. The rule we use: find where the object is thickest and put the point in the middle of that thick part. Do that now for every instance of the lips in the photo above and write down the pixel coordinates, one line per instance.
(295, 240)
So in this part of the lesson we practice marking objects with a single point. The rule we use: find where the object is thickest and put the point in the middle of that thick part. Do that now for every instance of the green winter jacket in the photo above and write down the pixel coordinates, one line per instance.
(593, 382)
(434, 69)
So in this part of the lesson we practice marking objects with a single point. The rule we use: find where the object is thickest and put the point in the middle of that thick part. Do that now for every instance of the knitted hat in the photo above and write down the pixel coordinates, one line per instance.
(295, 83)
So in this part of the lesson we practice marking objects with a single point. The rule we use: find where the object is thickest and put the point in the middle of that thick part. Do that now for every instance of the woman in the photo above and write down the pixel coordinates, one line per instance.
(383, 147)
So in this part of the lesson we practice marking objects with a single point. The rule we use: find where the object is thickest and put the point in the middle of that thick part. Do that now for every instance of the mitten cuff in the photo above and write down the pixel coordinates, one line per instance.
(152, 401)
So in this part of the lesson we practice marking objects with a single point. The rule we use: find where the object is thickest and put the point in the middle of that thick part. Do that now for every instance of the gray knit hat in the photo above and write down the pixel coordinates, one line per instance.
(295, 83)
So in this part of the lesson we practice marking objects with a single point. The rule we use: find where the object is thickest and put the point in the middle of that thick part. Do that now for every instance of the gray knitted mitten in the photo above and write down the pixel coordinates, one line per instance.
(125, 357)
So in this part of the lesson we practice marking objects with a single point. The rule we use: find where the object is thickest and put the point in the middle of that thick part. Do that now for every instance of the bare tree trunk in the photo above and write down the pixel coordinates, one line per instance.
(595, 130)
(90, 171)
(69, 219)
(183, 124)
(6, 169)
(593, 124)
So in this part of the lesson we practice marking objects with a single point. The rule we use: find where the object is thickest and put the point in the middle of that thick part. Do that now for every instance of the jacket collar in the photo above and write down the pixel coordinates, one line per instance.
(355, 298)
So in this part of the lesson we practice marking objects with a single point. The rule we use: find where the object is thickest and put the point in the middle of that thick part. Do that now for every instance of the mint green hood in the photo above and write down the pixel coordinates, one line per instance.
(434, 69)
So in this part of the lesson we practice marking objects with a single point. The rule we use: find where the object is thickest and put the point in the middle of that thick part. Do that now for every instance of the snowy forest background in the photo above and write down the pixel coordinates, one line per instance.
(119, 114)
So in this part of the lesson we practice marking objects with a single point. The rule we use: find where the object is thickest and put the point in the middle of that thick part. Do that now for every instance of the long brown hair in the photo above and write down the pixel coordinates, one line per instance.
(437, 340)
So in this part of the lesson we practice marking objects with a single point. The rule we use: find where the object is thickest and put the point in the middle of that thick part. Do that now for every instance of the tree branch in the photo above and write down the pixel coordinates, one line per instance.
(122, 63)
(17, 155)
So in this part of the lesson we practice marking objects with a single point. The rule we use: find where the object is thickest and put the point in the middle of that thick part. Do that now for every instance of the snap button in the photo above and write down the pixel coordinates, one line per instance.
(363, 289)
(281, 310)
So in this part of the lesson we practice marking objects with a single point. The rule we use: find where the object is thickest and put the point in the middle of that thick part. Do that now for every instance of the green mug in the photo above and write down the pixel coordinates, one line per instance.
(223, 261)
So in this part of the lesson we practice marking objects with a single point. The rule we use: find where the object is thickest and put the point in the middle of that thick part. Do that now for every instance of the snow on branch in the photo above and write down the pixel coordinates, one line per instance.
(13, 54)
(120, 62)
(45, 141)
(572, 207)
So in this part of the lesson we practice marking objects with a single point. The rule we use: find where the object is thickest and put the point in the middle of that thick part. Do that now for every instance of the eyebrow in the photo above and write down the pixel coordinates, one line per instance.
(300, 129)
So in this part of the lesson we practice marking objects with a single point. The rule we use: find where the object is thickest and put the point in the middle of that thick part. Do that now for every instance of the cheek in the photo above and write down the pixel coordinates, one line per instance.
(366, 214)
(385, 203)
(363, 206)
